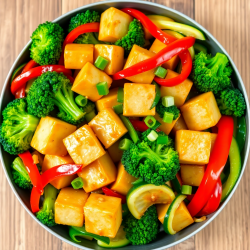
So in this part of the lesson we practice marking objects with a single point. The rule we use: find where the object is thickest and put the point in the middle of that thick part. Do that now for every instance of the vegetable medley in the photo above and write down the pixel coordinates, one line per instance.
(115, 159)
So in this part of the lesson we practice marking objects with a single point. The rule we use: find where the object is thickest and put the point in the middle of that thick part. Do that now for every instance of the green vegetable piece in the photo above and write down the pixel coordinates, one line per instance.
(162, 139)
(125, 210)
(168, 117)
(120, 95)
(118, 109)
(125, 144)
(90, 116)
(241, 132)
(160, 109)
(176, 185)
(101, 62)
(138, 182)
(17, 71)
(152, 136)
(81, 100)
(157, 95)
(199, 47)
(223, 177)
(77, 183)
(102, 88)
(133, 134)
(186, 189)
(167, 101)
(157, 125)
(161, 72)
(150, 121)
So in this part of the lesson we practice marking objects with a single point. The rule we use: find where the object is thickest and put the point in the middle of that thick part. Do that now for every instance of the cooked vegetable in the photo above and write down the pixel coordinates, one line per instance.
(17, 71)
(241, 132)
(186, 189)
(153, 163)
(118, 108)
(167, 101)
(157, 95)
(231, 102)
(199, 47)
(47, 214)
(102, 88)
(160, 109)
(46, 46)
(101, 62)
(142, 231)
(125, 144)
(161, 72)
(77, 183)
(132, 132)
(81, 100)
(17, 127)
(211, 73)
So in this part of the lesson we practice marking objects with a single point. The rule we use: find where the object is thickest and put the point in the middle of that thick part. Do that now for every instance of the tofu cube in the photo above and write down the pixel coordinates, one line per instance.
(103, 215)
(108, 127)
(182, 217)
(77, 55)
(113, 25)
(51, 161)
(113, 53)
(114, 152)
(49, 135)
(193, 146)
(179, 92)
(179, 125)
(213, 139)
(83, 146)
(201, 112)
(158, 46)
(69, 207)
(107, 101)
(138, 99)
(98, 174)
(136, 55)
(123, 181)
(165, 127)
(192, 174)
(87, 79)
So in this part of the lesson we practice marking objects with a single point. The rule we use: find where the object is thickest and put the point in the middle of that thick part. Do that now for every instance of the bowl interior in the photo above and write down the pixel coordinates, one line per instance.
(163, 241)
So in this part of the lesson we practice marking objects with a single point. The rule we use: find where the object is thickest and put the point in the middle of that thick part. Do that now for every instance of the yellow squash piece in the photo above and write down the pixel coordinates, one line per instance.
(77, 55)
(166, 127)
(192, 174)
(108, 127)
(69, 207)
(49, 135)
(114, 152)
(83, 146)
(123, 181)
(136, 55)
(193, 147)
(213, 138)
(179, 125)
(201, 112)
(113, 25)
(86, 80)
(103, 215)
(51, 161)
(179, 92)
(113, 53)
(99, 173)
(182, 217)
(138, 99)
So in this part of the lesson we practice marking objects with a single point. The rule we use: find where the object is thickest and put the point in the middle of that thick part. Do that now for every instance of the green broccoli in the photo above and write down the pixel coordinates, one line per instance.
(152, 162)
(46, 46)
(211, 73)
(160, 109)
(144, 230)
(54, 89)
(231, 102)
(17, 128)
(135, 35)
(46, 214)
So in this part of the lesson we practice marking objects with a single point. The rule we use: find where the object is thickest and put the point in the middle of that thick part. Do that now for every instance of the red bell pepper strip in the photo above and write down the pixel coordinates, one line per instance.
(110, 192)
(34, 200)
(71, 37)
(217, 161)
(214, 201)
(21, 80)
(175, 48)
(139, 125)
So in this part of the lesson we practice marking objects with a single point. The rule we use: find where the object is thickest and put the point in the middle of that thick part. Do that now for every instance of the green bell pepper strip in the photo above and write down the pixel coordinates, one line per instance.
(157, 95)
(241, 132)
(132, 132)
(81, 231)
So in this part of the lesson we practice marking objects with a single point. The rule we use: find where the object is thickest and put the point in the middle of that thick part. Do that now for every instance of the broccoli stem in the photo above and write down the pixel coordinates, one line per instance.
(150, 154)
(20, 168)
(50, 194)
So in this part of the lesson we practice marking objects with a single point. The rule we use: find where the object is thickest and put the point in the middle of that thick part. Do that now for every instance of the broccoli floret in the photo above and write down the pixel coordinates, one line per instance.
(17, 128)
(152, 162)
(54, 89)
(46, 214)
(47, 42)
(135, 35)
(231, 102)
(160, 109)
(211, 73)
(144, 230)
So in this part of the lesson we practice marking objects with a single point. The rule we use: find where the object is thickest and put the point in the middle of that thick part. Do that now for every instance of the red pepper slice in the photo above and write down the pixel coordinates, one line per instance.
(71, 37)
(175, 48)
(21, 80)
(110, 192)
(217, 161)
(34, 200)
(139, 125)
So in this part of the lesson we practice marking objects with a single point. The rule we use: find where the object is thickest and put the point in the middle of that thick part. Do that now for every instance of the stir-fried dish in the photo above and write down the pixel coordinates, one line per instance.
(122, 123)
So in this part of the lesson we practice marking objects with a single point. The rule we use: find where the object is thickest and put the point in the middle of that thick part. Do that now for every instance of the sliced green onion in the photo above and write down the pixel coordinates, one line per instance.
(90, 116)
(101, 62)
(102, 88)
(131, 130)
(167, 101)
(157, 125)
(168, 117)
(125, 144)
(186, 189)
(152, 136)
(81, 100)
(118, 109)
(120, 95)
(150, 121)
(157, 95)
(77, 183)
(161, 72)
(162, 139)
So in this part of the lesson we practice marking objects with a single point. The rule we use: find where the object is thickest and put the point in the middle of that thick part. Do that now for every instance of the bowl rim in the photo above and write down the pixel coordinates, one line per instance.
(208, 34)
